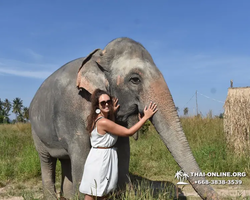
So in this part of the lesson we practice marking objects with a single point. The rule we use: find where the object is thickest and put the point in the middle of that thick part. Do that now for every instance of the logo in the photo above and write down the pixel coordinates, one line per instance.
(181, 176)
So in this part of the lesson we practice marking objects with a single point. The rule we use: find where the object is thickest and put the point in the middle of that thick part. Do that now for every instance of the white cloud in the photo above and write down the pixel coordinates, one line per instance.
(23, 73)
(17, 64)
(34, 55)
(26, 69)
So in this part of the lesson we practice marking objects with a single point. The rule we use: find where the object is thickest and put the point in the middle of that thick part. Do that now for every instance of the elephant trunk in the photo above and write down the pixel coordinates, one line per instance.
(167, 124)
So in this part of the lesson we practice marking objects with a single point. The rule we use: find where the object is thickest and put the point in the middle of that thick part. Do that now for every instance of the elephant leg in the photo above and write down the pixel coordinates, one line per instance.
(77, 165)
(66, 182)
(123, 152)
(48, 167)
(78, 156)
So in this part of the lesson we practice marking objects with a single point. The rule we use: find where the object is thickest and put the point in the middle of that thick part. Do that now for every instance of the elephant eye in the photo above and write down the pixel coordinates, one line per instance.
(135, 80)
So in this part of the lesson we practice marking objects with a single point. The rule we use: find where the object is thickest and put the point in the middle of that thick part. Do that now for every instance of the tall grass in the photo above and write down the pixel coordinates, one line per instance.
(150, 158)
(18, 158)
(208, 143)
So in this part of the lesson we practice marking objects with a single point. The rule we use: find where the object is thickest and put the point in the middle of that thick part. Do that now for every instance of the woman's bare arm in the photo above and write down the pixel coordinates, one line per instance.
(111, 127)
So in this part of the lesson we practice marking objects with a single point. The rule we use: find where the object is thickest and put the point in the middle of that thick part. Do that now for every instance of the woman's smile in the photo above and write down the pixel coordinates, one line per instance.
(104, 103)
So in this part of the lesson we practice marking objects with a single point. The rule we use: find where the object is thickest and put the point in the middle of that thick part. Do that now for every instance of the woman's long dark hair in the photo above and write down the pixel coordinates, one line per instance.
(94, 105)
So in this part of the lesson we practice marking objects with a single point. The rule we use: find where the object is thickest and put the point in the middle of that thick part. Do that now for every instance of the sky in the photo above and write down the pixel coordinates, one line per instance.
(197, 45)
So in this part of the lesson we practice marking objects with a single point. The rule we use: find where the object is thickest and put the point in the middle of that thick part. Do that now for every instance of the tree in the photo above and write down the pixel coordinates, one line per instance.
(185, 111)
(1, 105)
(221, 116)
(26, 113)
(17, 107)
(6, 110)
(7, 105)
(20, 118)
(177, 108)
(1, 111)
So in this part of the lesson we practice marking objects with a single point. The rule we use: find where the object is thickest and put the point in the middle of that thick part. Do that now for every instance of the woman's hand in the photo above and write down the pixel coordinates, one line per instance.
(139, 116)
(115, 105)
(150, 110)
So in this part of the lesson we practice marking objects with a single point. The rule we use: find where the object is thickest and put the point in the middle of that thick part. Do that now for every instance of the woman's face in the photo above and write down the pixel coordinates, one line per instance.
(105, 103)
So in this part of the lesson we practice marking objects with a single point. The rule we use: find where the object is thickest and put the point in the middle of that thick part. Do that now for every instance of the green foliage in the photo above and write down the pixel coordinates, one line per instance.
(221, 116)
(25, 114)
(150, 158)
(1, 118)
(145, 127)
(22, 113)
(185, 111)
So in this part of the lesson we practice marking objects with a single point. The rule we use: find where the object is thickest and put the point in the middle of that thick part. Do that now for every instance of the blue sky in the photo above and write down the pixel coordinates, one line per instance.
(197, 45)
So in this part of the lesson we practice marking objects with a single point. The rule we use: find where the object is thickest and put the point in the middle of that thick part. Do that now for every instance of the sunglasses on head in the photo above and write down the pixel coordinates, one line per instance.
(103, 103)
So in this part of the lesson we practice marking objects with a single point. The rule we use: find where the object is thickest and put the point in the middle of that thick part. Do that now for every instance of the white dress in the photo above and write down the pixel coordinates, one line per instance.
(100, 173)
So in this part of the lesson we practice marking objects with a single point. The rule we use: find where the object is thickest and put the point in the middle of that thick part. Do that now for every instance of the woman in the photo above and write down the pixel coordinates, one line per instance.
(101, 167)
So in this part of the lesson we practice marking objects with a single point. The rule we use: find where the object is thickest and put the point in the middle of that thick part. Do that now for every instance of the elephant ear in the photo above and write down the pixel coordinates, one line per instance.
(91, 75)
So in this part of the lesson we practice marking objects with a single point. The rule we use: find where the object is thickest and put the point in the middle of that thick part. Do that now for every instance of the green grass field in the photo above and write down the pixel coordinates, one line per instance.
(150, 159)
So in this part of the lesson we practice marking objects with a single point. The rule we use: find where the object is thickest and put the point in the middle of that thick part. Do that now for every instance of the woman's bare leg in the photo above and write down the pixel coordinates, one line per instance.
(88, 197)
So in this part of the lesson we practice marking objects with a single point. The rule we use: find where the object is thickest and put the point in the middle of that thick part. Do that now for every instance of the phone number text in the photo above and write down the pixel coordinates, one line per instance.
(219, 182)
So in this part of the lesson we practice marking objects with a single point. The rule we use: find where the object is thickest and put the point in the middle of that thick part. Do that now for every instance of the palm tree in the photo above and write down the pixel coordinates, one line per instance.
(17, 106)
(1, 104)
(20, 118)
(1, 112)
(7, 105)
(26, 113)
(6, 108)
(185, 111)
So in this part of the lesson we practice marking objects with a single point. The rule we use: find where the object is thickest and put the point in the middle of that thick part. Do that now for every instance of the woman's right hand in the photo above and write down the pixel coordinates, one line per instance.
(150, 110)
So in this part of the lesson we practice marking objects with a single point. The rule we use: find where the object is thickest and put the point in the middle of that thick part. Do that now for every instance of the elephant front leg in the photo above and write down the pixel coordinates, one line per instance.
(123, 151)
(78, 155)
(77, 173)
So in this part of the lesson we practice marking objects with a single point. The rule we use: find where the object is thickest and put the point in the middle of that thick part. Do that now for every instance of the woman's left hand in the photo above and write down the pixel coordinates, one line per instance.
(115, 105)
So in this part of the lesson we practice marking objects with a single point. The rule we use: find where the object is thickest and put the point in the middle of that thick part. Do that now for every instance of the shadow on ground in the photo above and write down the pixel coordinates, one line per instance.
(165, 189)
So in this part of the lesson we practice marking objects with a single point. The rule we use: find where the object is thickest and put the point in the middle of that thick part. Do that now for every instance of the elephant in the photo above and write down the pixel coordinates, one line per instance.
(60, 107)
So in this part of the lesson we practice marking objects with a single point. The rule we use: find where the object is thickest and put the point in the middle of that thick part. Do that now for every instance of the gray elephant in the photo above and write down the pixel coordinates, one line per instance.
(60, 107)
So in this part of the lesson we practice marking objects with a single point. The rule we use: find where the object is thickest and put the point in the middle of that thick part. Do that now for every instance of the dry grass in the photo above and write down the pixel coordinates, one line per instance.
(237, 120)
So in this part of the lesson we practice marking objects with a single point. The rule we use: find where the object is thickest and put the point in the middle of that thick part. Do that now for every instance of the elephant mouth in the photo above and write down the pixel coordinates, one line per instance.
(123, 119)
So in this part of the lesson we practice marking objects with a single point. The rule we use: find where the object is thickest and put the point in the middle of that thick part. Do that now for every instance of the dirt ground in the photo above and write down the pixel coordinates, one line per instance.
(231, 192)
